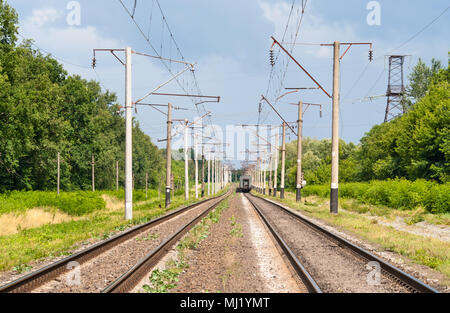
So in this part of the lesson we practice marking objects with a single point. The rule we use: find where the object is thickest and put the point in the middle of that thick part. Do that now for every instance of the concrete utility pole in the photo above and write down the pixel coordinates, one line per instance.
(283, 161)
(270, 172)
(264, 171)
(169, 154)
(260, 176)
(58, 175)
(275, 180)
(257, 175)
(299, 152)
(93, 172)
(213, 188)
(335, 133)
(117, 175)
(335, 115)
(209, 173)
(196, 165)
(220, 176)
(128, 139)
(217, 175)
(216, 185)
(203, 169)
(186, 164)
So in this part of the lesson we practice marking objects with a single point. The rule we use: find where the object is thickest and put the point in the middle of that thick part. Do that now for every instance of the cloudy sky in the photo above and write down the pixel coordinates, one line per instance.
(230, 42)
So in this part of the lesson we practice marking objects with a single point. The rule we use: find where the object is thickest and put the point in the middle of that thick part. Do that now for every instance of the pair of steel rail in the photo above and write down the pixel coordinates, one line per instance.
(127, 281)
(397, 274)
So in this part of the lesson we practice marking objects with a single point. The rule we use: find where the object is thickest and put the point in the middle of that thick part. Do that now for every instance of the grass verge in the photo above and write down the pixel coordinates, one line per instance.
(53, 240)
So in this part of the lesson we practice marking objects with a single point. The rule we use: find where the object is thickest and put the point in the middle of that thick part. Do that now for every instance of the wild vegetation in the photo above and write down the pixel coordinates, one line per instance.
(404, 163)
(396, 194)
(51, 240)
(45, 111)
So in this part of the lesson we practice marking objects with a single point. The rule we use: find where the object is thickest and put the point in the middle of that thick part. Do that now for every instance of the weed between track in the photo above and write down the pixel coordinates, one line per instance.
(236, 231)
(162, 281)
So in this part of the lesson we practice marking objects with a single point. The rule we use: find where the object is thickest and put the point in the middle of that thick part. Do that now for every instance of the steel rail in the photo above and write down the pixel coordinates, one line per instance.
(304, 275)
(391, 270)
(135, 274)
(41, 276)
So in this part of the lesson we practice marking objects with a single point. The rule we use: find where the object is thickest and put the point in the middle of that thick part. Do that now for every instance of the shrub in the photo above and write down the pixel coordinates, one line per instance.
(397, 194)
(73, 203)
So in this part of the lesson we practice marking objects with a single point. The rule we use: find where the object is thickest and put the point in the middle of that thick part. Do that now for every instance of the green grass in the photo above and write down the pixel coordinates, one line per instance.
(397, 194)
(73, 203)
(138, 195)
(53, 240)
(162, 281)
(236, 230)
(422, 250)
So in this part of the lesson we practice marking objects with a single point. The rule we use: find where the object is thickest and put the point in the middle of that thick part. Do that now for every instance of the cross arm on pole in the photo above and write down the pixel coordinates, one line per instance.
(264, 98)
(350, 44)
(296, 62)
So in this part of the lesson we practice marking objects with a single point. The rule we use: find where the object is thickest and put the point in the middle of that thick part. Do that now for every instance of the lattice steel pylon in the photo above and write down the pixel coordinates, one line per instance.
(396, 88)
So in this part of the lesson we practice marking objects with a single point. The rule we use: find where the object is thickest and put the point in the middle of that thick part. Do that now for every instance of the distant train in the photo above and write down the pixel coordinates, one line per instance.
(245, 184)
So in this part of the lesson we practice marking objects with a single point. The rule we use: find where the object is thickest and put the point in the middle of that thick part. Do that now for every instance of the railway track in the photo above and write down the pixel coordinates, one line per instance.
(35, 281)
(326, 262)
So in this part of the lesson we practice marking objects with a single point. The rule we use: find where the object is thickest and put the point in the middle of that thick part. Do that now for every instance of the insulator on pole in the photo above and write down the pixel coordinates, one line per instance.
(370, 55)
(94, 62)
(272, 59)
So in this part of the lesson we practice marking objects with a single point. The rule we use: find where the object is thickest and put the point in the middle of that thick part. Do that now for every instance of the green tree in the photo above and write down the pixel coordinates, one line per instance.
(8, 25)
(420, 79)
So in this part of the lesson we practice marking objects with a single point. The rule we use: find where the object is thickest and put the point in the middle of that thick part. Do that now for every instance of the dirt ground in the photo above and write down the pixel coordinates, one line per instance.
(237, 256)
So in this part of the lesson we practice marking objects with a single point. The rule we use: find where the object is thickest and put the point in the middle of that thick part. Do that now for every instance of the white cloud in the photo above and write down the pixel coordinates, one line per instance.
(276, 13)
(314, 28)
(74, 44)
(44, 16)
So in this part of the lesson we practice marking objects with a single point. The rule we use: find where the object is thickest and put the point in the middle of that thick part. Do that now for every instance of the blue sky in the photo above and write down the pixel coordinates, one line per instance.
(230, 42)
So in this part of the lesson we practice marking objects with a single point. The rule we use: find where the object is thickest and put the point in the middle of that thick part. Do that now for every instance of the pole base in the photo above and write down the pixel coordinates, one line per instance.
(282, 193)
(298, 195)
(334, 200)
(264, 191)
(270, 192)
(167, 198)
(274, 192)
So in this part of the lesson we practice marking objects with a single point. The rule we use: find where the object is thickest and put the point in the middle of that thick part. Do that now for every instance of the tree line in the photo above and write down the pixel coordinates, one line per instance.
(43, 111)
(413, 146)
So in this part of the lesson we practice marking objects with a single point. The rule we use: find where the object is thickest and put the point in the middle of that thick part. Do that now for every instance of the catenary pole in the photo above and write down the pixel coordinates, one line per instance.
(196, 165)
(128, 139)
(335, 133)
(186, 170)
(283, 161)
(169, 154)
(299, 152)
(275, 176)
(209, 173)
